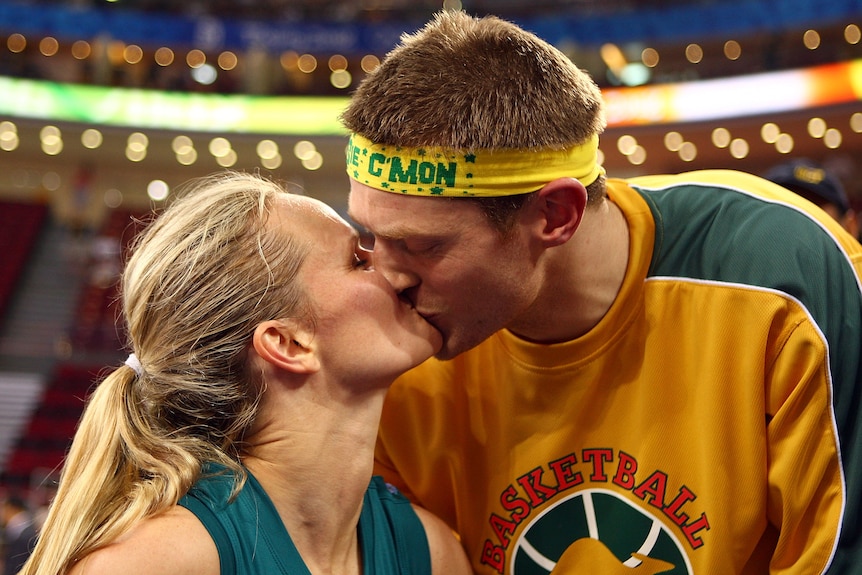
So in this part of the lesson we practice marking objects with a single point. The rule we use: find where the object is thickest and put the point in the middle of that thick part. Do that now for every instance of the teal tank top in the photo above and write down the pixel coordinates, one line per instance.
(252, 540)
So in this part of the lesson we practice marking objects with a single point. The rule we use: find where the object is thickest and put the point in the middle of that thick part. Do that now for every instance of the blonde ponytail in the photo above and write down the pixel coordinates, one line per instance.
(200, 279)
(92, 505)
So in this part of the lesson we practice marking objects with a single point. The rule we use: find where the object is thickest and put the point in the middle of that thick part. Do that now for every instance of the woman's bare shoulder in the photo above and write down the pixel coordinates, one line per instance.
(172, 543)
(447, 555)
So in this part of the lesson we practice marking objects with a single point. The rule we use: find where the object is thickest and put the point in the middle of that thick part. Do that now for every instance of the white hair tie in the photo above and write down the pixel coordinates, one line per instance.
(133, 362)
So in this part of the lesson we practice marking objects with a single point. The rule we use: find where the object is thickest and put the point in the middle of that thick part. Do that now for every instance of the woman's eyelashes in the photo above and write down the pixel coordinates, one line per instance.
(362, 259)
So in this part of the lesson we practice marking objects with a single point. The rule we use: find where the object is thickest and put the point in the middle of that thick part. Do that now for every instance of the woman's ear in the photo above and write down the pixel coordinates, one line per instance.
(286, 346)
(561, 204)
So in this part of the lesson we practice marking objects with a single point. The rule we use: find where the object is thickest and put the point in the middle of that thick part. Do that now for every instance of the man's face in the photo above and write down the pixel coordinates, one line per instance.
(448, 260)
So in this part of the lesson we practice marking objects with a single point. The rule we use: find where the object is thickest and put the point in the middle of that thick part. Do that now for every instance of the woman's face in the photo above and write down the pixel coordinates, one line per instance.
(362, 330)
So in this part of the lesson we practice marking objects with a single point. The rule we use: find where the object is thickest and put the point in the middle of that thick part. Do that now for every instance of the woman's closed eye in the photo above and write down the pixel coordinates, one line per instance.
(362, 259)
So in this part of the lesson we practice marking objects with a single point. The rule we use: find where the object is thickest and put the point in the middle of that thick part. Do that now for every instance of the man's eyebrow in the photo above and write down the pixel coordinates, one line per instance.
(394, 233)
(400, 231)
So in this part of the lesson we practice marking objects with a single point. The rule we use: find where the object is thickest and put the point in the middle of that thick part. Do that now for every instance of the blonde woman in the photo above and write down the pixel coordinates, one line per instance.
(239, 435)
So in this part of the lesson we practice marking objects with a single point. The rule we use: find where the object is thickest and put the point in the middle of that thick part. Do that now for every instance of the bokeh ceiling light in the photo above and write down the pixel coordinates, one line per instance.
(314, 162)
(638, 155)
(136, 154)
(164, 56)
(205, 74)
(369, 63)
(52, 147)
(341, 79)
(694, 53)
(49, 46)
(811, 39)
(16, 43)
(688, 152)
(267, 149)
(181, 144)
(769, 132)
(158, 190)
(304, 149)
(196, 58)
(228, 160)
(219, 147)
(9, 141)
(721, 137)
(307, 63)
(187, 157)
(816, 127)
(289, 61)
(732, 50)
(337, 62)
(81, 50)
(673, 141)
(51, 181)
(133, 54)
(650, 57)
(137, 142)
(626, 144)
(91, 138)
(272, 163)
(635, 74)
(784, 143)
(739, 148)
(113, 198)
(227, 60)
(832, 138)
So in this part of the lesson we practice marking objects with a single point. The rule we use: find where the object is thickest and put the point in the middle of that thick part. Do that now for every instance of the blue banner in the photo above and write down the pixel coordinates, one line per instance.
(673, 22)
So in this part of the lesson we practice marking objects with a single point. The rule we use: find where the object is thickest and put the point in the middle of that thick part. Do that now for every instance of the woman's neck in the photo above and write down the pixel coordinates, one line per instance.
(314, 457)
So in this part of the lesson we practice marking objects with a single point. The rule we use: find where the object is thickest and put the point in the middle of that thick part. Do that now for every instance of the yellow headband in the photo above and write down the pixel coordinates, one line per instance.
(442, 172)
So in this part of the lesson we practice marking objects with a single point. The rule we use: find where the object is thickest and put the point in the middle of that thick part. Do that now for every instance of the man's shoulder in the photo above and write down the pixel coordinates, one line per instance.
(721, 178)
(726, 201)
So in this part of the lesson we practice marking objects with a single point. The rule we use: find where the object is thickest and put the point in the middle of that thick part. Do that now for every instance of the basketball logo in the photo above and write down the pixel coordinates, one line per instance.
(597, 532)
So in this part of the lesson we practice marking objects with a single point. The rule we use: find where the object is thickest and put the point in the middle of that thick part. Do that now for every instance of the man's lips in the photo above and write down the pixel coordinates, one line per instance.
(428, 317)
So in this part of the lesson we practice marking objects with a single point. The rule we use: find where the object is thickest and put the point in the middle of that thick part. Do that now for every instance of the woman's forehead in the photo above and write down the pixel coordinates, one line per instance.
(310, 217)
(306, 207)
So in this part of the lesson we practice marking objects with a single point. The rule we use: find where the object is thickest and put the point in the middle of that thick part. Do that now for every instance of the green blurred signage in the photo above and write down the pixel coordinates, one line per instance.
(277, 115)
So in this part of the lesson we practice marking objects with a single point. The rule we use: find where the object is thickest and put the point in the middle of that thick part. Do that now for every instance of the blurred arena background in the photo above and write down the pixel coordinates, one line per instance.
(106, 107)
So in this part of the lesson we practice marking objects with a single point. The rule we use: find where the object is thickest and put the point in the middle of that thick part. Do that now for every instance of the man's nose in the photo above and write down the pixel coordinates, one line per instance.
(394, 269)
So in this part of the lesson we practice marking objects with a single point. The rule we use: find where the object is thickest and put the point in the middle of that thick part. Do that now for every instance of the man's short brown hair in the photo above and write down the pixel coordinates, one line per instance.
(468, 83)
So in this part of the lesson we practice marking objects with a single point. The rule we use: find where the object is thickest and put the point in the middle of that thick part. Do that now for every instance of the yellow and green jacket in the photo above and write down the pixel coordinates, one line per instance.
(710, 423)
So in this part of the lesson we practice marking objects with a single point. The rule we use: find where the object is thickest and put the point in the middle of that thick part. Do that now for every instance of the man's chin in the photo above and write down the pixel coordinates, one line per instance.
(454, 346)
(447, 351)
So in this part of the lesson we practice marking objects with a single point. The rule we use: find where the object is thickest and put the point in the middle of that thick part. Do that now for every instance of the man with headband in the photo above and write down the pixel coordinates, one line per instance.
(660, 373)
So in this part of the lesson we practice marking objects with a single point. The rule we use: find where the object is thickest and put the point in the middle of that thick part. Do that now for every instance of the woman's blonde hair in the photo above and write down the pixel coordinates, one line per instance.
(201, 277)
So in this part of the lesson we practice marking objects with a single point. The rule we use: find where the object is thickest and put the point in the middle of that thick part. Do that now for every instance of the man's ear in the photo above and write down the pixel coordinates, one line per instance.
(561, 204)
(286, 346)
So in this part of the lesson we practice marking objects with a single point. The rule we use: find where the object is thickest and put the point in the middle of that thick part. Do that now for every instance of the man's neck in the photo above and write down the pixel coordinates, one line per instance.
(581, 279)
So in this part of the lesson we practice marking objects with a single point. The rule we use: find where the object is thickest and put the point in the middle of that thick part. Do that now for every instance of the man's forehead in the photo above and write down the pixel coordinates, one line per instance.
(398, 216)
(367, 205)
(396, 225)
